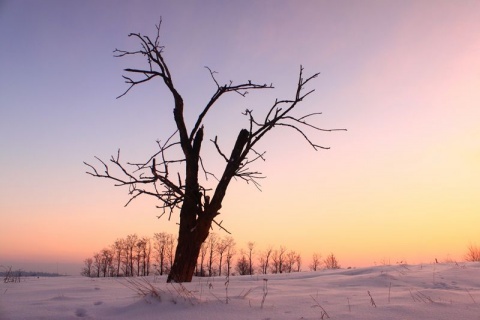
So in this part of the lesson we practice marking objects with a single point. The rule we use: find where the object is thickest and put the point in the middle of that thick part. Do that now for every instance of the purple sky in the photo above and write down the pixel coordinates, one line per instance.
(402, 76)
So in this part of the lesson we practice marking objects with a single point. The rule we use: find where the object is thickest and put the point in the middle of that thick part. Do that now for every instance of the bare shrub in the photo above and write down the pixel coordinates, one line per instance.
(316, 262)
(243, 268)
(331, 262)
(10, 275)
(473, 253)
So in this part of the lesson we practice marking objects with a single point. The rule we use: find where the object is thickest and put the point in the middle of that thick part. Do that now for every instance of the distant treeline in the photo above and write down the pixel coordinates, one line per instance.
(22, 273)
(143, 256)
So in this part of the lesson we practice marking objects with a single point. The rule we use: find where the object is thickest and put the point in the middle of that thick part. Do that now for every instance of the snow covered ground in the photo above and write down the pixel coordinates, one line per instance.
(439, 291)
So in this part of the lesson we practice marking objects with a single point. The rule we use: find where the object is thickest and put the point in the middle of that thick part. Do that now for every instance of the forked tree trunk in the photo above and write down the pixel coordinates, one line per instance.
(195, 223)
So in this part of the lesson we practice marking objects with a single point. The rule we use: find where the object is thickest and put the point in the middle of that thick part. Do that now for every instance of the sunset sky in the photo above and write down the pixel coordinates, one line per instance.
(402, 184)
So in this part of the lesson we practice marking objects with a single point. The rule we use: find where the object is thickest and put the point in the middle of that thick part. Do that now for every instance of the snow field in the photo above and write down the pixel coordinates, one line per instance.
(439, 291)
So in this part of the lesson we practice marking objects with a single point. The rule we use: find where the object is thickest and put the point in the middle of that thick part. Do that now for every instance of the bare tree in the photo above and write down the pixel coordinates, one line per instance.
(129, 246)
(160, 245)
(138, 255)
(203, 254)
(298, 261)
(316, 262)
(117, 249)
(171, 241)
(97, 264)
(141, 249)
(222, 246)
(230, 252)
(198, 205)
(275, 263)
(242, 265)
(106, 259)
(473, 253)
(278, 260)
(146, 256)
(291, 259)
(250, 261)
(212, 252)
(264, 260)
(87, 269)
(331, 262)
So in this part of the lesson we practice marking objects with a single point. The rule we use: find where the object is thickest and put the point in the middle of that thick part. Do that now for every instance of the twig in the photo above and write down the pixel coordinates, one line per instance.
(470, 296)
(411, 294)
(265, 291)
(227, 282)
(389, 289)
(244, 295)
(371, 300)
(183, 292)
(324, 312)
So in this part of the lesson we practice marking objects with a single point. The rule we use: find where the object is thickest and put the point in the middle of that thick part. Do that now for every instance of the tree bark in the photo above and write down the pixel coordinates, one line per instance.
(190, 241)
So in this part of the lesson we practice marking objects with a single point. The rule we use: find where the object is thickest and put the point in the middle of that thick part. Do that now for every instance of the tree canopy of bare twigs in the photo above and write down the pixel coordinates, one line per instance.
(181, 190)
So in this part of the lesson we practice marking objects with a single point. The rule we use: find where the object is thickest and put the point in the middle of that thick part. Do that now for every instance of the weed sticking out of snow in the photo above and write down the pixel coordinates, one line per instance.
(184, 293)
(371, 300)
(265, 291)
(323, 314)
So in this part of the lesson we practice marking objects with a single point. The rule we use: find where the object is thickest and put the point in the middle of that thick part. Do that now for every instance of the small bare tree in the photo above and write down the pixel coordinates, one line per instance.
(242, 265)
(293, 261)
(331, 262)
(117, 249)
(87, 269)
(212, 252)
(473, 253)
(171, 246)
(251, 246)
(141, 255)
(264, 260)
(316, 262)
(222, 247)
(202, 255)
(147, 256)
(129, 246)
(106, 256)
(230, 252)
(298, 262)
(97, 264)
(278, 260)
(160, 244)
(199, 205)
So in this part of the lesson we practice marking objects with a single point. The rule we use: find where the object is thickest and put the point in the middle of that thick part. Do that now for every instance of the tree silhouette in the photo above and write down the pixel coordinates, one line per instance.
(331, 262)
(264, 260)
(315, 262)
(473, 253)
(198, 205)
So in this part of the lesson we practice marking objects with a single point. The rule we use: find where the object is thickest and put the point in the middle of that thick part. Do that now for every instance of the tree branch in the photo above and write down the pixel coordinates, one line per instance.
(153, 177)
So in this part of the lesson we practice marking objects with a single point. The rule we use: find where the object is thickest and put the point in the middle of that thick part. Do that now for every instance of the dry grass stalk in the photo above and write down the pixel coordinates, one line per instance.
(265, 291)
(183, 292)
(323, 314)
(471, 296)
(143, 287)
(371, 300)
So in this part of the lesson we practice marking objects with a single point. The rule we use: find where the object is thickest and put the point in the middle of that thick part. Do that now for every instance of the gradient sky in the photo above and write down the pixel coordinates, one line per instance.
(402, 184)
